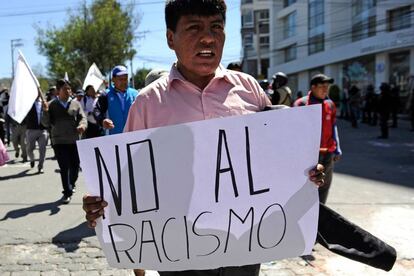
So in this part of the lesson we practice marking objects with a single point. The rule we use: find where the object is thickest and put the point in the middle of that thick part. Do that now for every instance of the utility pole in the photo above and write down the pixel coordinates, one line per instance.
(13, 44)
(258, 52)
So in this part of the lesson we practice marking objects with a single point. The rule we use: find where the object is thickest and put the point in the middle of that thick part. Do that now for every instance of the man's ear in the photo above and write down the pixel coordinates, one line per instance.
(170, 39)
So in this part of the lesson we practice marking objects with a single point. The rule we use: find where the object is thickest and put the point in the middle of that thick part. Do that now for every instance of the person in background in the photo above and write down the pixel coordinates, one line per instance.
(111, 110)
(154, 75)
(67, 120)
(235, 66)
(195, 31)
(18, 137)
(88, 104)
(36, 132)
(395, 105)
(79, 95)
(330, 150)
(384, 109)
(51, 94)
(282, 95)
(354, 105)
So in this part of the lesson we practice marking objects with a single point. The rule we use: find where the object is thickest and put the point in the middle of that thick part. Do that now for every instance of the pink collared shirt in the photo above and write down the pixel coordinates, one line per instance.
(173, 100)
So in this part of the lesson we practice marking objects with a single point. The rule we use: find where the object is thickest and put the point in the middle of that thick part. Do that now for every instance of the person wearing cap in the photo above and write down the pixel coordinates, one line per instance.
(330, 150)
(282, 95)
(79, 95)
(111, 110)
(154, 75)
(197, 88)
(67, 120)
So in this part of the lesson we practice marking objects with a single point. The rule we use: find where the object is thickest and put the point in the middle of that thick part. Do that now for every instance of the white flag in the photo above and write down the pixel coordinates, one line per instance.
(94, 78)
(24, 90)
(66, 78)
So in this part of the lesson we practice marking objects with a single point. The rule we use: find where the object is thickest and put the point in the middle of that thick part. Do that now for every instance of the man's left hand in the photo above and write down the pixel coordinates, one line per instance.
(80, 129)
(317, 175)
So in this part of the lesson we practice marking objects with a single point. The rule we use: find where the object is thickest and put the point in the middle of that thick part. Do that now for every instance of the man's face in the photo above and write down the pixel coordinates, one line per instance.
(198, 44)
(320, 90)
(121, 82)
(65, 91)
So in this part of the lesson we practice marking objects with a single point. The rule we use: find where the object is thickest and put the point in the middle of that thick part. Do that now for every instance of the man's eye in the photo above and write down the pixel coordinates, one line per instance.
(193, 27)
(218, 26)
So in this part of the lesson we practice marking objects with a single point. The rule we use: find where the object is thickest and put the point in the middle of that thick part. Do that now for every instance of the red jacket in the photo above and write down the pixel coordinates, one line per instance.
(329, 137)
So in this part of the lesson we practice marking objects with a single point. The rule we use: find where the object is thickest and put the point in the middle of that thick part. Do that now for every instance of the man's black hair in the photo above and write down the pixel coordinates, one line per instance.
(174, 9)
(60, 83)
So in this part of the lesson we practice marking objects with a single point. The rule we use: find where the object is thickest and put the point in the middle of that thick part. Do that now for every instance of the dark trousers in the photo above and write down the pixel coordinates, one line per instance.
(68, 160)
(92, 131)
(384, 124)
(327, 161)
(247, 270)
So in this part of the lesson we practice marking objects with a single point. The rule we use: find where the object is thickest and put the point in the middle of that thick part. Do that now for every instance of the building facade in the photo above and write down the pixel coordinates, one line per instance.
(357, 42)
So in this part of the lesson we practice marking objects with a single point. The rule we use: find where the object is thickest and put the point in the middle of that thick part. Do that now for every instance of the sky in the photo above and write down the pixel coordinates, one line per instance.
(18, 19)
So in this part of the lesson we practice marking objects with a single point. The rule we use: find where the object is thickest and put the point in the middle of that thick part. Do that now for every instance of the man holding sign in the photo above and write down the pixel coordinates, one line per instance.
(197, 88)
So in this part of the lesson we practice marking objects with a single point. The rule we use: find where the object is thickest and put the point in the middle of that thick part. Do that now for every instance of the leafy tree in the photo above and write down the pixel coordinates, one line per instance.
(139, 77)
(101, 33)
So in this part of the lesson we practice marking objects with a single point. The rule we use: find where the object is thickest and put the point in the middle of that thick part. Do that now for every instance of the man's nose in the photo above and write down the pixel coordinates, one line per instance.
(207, 36)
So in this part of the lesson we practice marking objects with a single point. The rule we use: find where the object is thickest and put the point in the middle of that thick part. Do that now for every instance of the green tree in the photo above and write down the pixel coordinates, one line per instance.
(100, 33)
(139, 77)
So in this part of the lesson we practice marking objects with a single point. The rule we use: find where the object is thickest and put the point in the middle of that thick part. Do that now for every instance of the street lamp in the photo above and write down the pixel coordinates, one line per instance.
(14, 43)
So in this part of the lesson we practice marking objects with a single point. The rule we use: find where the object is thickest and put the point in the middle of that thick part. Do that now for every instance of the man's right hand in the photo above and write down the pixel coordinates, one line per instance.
(108, 124)
(94, 208)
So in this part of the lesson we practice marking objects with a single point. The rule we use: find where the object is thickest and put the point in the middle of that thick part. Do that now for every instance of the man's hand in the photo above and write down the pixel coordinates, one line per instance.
(108, 124)
(45, 106)
(94, 208)
(80, 129)
(317, 176)
(336, 157)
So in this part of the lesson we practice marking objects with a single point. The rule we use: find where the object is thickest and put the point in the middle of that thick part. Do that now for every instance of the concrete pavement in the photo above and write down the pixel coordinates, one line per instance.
(373, 187)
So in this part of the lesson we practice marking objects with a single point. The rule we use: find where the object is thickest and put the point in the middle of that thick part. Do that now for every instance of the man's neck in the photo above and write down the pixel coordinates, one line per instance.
(119, 90)
(63, 99)
(199, 81)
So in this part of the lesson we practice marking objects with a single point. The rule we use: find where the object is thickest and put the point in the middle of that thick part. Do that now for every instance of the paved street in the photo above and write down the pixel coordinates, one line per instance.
(373, 187)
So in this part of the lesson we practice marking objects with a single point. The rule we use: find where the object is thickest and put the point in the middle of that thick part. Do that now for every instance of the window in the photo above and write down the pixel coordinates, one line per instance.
(316, 14)
(316, 44)
(263, 14)
(290, 53)
(264, 41)
(246, 1)
(364, 29)
(360, 6)
(248, 40)
(399, 19)
(289, 25)
(247, 18)
(287, 3)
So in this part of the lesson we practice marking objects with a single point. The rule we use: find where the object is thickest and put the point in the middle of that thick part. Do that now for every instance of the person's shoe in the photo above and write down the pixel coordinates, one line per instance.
(32, 163)
(40, 170)
(24, 160)
(17, 153)
(382, 137)
(65, 199)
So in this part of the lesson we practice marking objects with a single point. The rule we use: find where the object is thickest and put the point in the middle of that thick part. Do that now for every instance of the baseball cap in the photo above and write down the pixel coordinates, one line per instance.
(119, 70)
(80, 92)
(321, 78)
(154, 75)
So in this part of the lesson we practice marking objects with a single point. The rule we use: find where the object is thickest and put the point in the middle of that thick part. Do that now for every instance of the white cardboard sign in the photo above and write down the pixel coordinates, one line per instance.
(222, 192)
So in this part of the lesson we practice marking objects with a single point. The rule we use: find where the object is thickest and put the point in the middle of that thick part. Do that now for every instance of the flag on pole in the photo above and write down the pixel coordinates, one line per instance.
(94, 78)
(66, 78)
(24, 90)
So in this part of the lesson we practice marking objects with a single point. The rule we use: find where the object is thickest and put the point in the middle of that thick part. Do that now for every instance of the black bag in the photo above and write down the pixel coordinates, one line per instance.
(344, 238)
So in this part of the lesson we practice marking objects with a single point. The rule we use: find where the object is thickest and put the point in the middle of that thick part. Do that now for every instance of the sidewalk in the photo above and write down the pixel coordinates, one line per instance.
(373, 187)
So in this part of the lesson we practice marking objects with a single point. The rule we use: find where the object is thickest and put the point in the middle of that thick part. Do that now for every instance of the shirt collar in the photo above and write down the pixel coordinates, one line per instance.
(221, 73)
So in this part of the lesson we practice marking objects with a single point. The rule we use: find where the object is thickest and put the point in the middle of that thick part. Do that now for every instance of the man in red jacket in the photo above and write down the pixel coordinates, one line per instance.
(329, 149)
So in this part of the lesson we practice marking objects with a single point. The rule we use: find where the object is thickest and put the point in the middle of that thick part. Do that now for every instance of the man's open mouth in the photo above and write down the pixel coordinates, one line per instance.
(206, 53)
